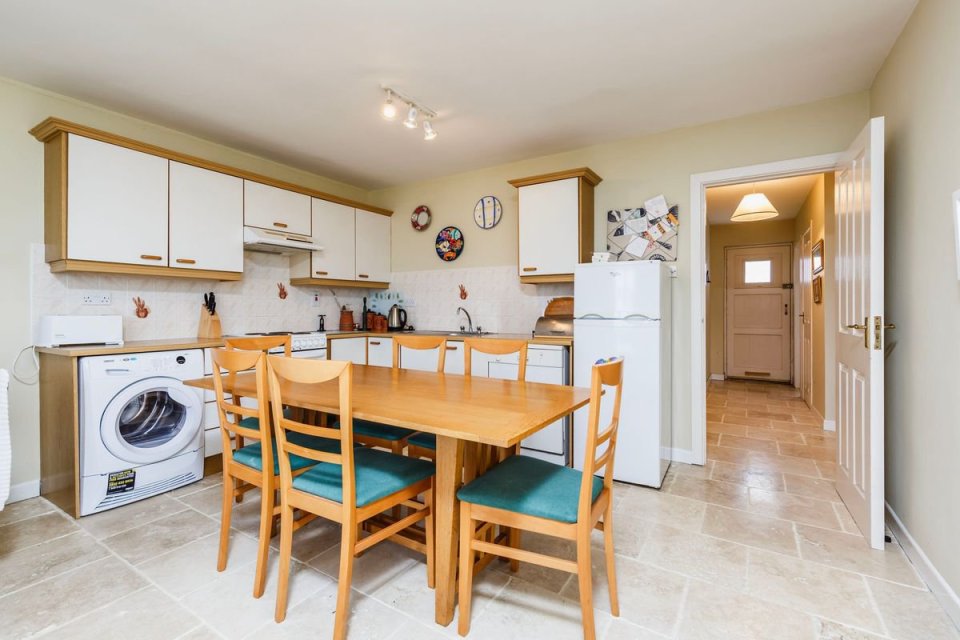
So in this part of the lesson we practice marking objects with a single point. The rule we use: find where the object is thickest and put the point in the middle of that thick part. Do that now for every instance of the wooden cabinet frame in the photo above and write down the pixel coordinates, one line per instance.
(587, 180)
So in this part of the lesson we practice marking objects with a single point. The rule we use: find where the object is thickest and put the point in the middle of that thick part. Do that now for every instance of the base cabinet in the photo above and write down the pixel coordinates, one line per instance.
(352, 349)
(380, 352)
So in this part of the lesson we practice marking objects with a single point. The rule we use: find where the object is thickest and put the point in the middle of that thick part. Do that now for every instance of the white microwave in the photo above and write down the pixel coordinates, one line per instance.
(58, 331)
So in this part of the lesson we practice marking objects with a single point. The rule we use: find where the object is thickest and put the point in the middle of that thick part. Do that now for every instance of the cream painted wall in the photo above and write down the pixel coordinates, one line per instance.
(918, 91)
(816, 212)
(633, 170)
(733, 235)
(21, 214)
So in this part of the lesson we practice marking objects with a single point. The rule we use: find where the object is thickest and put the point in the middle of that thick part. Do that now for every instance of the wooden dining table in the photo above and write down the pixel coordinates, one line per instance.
(462, 411)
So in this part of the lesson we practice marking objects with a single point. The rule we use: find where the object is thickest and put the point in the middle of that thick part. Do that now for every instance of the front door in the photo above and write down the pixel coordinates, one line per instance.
(860, 333)
(758, 312)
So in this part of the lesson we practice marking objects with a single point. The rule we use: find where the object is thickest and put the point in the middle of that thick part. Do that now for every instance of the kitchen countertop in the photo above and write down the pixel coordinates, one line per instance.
(565, 341)
(131, 346)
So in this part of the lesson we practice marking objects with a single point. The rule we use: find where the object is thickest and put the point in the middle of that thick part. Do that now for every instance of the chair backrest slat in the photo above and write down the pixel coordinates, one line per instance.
(227, 364)
(260, 343)
(496, 347)
(421, 343)
(283, 372)
(607, 374)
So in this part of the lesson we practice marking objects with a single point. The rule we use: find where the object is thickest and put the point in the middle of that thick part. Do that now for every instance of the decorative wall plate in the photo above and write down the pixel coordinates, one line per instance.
(449, 243)
(420, 218)
(487, 213)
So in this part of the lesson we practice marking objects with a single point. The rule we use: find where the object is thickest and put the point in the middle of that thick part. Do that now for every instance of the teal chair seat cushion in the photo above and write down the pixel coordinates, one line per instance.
(252, 454)
(424, 440)
(530, 486)
(382, 431)
(378, 474)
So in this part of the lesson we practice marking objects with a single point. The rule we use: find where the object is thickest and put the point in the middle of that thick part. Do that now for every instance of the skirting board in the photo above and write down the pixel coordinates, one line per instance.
(945, 595)
(24, 491)
(681, 455)
(829, 425)
(718, 376)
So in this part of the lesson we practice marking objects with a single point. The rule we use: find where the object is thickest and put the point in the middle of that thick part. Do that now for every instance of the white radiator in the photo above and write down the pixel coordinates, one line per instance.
(6, 458)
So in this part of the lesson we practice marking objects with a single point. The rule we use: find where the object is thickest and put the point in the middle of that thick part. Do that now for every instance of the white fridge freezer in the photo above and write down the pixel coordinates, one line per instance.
(623, 309)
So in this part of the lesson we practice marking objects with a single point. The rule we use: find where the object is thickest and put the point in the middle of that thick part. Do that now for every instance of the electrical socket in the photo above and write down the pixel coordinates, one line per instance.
(97, 299)
(315, 301)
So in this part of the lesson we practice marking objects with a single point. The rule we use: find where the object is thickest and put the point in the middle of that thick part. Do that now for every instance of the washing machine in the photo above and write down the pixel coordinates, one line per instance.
(140, 426)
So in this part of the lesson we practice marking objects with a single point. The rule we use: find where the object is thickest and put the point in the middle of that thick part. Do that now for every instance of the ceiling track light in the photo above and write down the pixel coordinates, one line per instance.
(415, 111)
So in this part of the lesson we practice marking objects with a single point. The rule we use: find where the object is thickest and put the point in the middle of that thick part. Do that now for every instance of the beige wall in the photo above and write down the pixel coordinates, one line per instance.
(21, 216)
(816, 214)
(632, 170)
(720, 237)
(918, 91)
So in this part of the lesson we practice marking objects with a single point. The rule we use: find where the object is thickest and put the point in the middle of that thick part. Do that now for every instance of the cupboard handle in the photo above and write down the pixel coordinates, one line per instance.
(362, 275)
(282, 225)
(146, 256)
(374, 343)
(529, 268)
(322, 273)
(186, 261)
(451, 348)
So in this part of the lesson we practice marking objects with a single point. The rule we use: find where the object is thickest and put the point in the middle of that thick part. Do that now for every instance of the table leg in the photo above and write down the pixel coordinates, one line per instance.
(447, 522)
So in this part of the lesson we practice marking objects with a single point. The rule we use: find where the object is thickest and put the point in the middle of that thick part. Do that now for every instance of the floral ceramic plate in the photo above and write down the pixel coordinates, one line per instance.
(420, 218)
(449, 243)
(487, 213)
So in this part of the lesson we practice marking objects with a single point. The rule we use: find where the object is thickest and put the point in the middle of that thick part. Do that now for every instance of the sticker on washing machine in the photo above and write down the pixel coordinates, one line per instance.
(121, 482)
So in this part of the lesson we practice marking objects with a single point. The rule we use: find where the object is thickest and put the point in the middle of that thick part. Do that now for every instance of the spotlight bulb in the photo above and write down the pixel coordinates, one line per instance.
(411, 121)
(389, 110)
(429, 133)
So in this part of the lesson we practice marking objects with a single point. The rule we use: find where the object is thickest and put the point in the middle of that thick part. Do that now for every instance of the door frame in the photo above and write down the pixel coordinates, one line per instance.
(804, 301)
(726, 308)
(699, 182)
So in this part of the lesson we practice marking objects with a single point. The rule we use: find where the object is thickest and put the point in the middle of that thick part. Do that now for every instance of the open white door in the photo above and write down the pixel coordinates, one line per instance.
(860, 334)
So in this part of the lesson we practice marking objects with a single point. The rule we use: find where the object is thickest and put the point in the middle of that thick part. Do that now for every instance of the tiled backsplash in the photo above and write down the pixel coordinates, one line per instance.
(495, 299)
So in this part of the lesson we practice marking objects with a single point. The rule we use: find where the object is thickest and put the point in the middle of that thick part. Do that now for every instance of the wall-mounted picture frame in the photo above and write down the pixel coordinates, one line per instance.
(816, 257)
(818, 289)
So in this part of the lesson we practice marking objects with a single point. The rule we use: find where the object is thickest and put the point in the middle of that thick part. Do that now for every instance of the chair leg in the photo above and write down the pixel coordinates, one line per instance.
(263, 543)
(608, 552)
(585, 582)
(514, 541)
(286, 550)
(348, 541)
(466, 568)
(238, 497)
(428, 530)
(225, 512)
(396, 447)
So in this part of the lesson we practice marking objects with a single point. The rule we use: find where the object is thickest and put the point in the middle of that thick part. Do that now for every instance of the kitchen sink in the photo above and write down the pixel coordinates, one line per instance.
(464, 334)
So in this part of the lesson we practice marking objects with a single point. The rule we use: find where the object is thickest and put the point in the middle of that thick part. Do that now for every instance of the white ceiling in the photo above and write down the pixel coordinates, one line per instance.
(298, 80)
(787, 195)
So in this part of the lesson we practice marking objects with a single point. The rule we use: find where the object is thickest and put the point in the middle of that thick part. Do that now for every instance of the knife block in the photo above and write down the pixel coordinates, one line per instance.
(209, 325)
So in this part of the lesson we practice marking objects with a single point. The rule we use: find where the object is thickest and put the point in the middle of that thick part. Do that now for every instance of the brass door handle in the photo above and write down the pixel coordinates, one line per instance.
(860, 327)
(372, 343)
(186, 261)
(281, 225)
(322, 273)
(529, 268)
(150, 257)
(362, 275)
(892, 325)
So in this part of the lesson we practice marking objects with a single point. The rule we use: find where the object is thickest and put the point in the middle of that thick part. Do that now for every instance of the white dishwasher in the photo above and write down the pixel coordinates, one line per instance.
(547, 364)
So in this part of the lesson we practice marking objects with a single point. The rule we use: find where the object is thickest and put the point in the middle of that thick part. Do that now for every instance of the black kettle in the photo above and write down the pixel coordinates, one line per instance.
(397, 318)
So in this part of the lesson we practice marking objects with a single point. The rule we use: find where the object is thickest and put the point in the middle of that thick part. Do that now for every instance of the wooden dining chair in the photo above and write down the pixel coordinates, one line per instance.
(251, 466)
(396, 439)
(529, 494)
(424, 445)
(348, 485)
(421, 445)
(260, 343)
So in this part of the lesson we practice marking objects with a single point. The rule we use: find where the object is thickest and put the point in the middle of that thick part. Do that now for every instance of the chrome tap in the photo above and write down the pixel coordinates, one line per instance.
(469, 320)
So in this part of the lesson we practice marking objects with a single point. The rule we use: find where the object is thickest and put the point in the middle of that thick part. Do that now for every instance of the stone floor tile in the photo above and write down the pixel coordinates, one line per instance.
(35, 530)
(16, 511)
(376, 567)
(738, 474)
(48, 559)
(851, 552)
(811, 487)
(657, 506)
(194, 565)
(750, 529)
(160, 536)
(694, 554)
(785, 506)
(911, 613)
(107, 523)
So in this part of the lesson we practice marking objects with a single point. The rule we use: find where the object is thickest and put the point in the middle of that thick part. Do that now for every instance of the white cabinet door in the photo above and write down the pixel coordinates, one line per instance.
(334, 227)
(380, 352)
(549, 227)
(275, 209)
(373, 246)
(206, 219)
(453, 361)
(117, 199)
(352, 349)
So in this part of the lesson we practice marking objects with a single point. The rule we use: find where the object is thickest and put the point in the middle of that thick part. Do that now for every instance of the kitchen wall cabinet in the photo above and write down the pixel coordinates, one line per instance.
(206, 219)
(275, 209)
(352, 349)
(555, 222)
(380, 352)
(117, 202)
(373, 247)
(109, 202)
(356, 249)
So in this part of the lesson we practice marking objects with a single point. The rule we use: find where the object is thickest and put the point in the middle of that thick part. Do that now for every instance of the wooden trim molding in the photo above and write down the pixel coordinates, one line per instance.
(327, 282)
(586, 173)
(546, 279)
(51, 127)
(91, 266)
(59, 433)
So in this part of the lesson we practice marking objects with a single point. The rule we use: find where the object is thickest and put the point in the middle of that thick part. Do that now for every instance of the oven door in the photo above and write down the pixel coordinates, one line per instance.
(311, 354)
(151, 420)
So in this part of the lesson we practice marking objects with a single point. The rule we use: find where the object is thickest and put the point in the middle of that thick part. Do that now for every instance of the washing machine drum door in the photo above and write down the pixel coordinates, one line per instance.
(151, 420)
